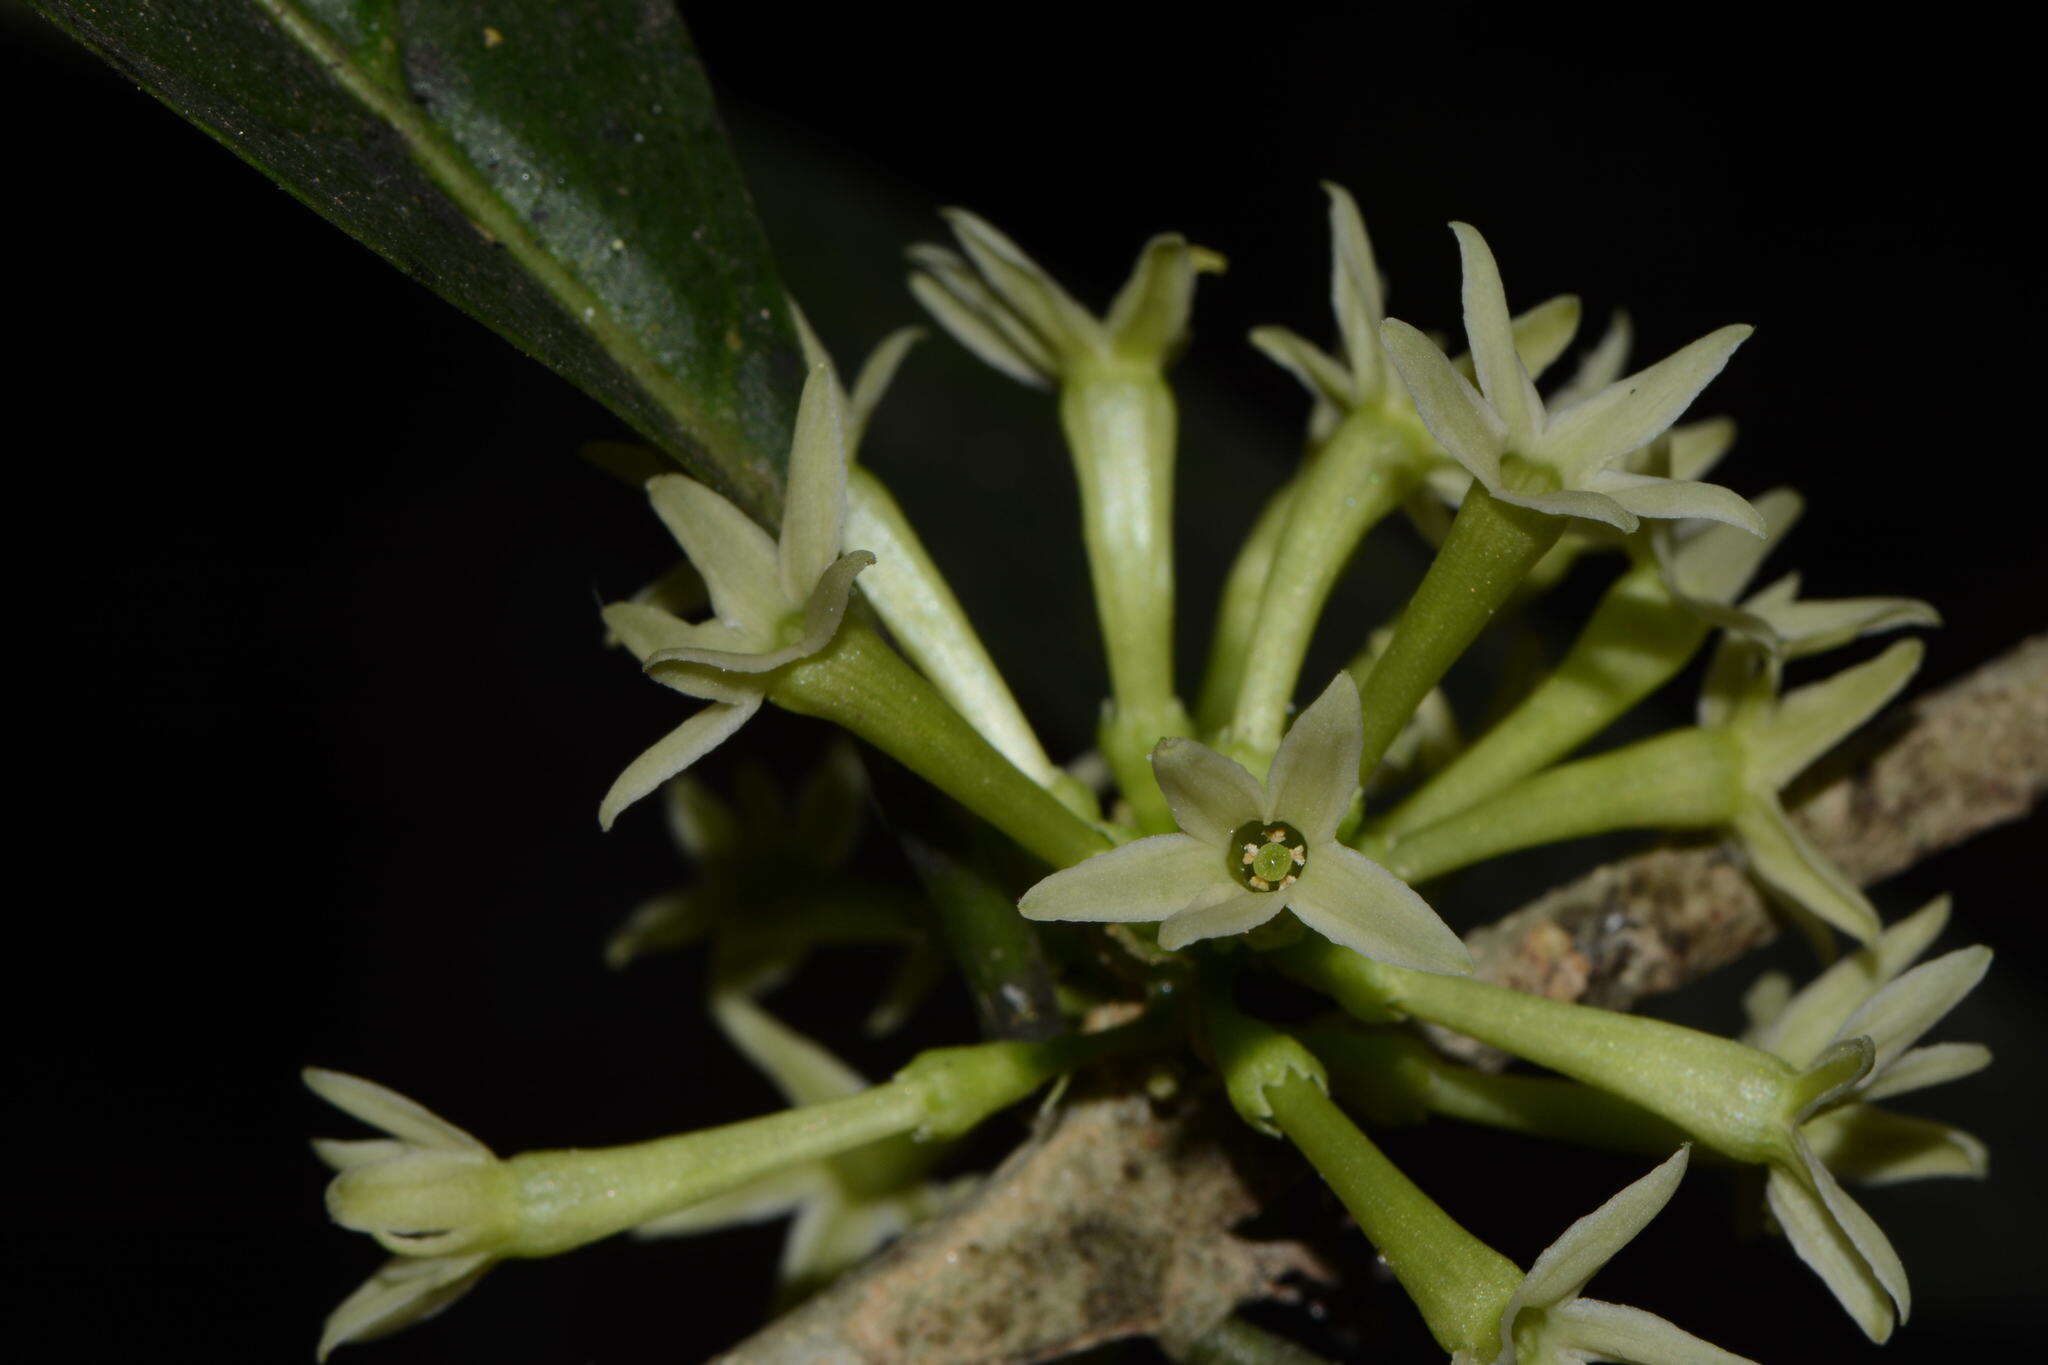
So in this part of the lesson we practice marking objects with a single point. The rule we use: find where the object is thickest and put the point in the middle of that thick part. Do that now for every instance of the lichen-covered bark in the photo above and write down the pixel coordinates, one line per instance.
(1954, 763)
(1113, 1221)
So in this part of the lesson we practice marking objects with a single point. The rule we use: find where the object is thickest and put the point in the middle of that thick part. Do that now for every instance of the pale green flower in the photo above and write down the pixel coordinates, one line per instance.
(1359, 375)
(1548, 1321)
(775, 601)
(1871, 993)
(845, 1206)
(999, 304)
(429, 1192)
(1559, 462)
(1248, 850)
(1777, 738)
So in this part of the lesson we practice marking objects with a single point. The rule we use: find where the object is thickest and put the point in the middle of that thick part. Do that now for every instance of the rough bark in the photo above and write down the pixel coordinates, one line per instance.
(1116, 1218)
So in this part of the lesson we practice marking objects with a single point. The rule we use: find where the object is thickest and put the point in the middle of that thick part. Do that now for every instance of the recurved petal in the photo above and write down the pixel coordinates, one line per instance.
(1827, 1250)
(1567, 1264)
(823, 611)
(1469, 431)
(1221, 912)
(1350, 899)
(403, 1291)
(1593, 1330)
(681, 747)
(1572, 502)
(1860, 1228)
(1804, 1024)
(1920, 1067)
(1671, 499)
(1023, 285)
(1783, 860)
(1808, 722)
(1715, 563)
(1816, 626)
(1490, 330)
(815, 507)
(1896, 1017)
(1012, 351)
(1210, 795)
(1315, 769)
(1871, 1146)
(1355, 293)
(1322, 376)
(873, 381)
(380, 1107)
(1147, 879)
(1632, 412)
(736, 557)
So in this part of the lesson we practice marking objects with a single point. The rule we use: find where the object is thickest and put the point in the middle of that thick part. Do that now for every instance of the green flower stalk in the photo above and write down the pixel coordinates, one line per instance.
(1370, 453)
(913, 598)
(782, 632)
(1638, 638)
(1724, 776)
(1479, 1305)
(1249, 850)
(1531, 469)
(843, 1206)
(1120, 422)
(430, 1191)
(1742, 1101)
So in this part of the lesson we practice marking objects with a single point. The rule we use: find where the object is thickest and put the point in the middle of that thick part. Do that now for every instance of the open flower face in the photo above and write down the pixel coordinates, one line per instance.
(774, 601)
(1249, 850)
(1562, 462)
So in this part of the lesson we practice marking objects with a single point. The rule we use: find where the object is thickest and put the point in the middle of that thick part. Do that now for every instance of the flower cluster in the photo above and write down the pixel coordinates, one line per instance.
(1238, 838)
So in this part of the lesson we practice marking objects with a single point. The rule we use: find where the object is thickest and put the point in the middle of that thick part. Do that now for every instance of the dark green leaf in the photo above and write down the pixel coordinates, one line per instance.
(554, 167)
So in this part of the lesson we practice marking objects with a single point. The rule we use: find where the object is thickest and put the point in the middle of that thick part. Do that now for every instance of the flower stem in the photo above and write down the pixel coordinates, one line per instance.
(567, 1198)
(1458, 1282)
(1120, 425)
(1236, 618)
(1491, 545)
(1393, 1076)
(1732, 1097)
(913, 598)
(1636, 641)
(1352, 482)
(1687, 779)
(997, 950)
(859, 683)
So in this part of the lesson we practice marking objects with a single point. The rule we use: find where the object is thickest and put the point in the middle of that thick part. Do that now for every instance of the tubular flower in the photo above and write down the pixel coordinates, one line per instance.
(428, 1191)
(1249, 850)
(774, 601)
(845, 1206)
(1563, 462)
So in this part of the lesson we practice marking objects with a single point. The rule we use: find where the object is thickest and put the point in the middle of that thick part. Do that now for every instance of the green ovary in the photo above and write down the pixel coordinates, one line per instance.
(1266, 855)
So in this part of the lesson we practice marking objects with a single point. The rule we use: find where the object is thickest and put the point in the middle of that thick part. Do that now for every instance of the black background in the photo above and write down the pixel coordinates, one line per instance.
(318, 717)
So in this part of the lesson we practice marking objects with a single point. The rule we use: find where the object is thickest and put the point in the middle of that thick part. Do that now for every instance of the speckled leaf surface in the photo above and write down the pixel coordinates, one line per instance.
(554, 167)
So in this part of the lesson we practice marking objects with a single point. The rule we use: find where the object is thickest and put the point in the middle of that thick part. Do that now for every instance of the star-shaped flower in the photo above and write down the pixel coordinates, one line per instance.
(1548, 1322)
(1559, 462)
(1871, 993)
(1250, 850)
(774, 601)
(429, 1192)
(1778, 738)
(845, 1206)
(1359, 375)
